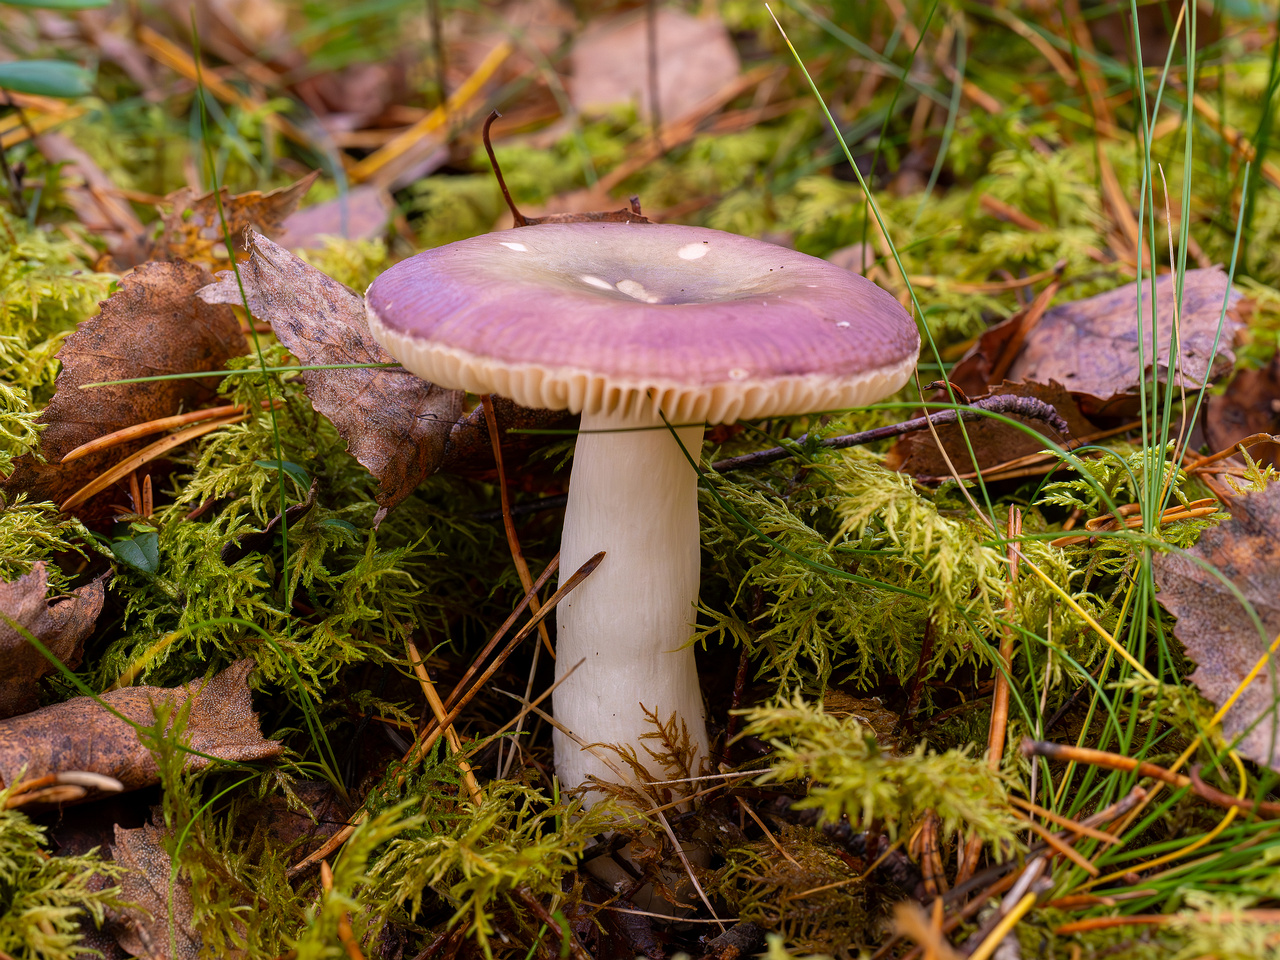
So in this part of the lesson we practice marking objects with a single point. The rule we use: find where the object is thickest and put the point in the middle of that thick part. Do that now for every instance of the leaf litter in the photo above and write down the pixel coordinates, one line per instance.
(62, 626)
(395, 424)
(747, 157)
(152, 325)
(99, 735)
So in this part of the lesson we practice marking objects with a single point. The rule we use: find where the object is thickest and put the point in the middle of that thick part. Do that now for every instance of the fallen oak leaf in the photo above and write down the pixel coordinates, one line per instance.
(153, 324)
(395, 424)
(193, 225)
(82, 734)
(1215, 629)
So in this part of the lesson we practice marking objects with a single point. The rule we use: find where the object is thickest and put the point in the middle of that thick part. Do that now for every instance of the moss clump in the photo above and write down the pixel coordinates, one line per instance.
(44, 899)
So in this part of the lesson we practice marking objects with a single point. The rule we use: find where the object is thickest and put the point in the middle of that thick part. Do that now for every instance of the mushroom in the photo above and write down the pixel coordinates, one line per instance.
(650, 331)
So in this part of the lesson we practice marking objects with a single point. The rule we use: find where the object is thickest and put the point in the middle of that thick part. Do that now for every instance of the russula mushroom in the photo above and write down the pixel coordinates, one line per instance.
(637, 327)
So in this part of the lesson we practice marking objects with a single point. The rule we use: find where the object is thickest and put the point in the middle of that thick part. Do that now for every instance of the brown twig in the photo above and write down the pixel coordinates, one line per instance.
(1148, 919)
(1201, 462)
(437, 708)
(968, 855)
(346, 936)
(1215, 796)
(428, 738)
(1101, 758)
(520, 219)
(501, 632)
(530, 625)
(1066, 822)
(1004, 403)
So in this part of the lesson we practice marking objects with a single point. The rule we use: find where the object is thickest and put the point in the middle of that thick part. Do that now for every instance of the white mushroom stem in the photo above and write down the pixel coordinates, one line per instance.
(633, 494)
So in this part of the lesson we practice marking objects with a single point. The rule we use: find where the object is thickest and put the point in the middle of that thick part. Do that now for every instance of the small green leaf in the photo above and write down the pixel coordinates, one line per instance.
(57, 4)
(296, 473)
(141, 552)
(47, 78)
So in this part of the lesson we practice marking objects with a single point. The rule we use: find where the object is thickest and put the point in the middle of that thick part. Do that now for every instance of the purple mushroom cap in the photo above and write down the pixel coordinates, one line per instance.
(614, 317)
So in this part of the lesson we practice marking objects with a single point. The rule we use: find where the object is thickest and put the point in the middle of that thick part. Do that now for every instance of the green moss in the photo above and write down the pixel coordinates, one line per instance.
(852, 777)
(44, 898)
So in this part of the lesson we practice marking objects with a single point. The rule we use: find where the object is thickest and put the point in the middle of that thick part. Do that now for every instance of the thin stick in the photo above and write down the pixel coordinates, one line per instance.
(451, 735)
(1100, 758)
(651, 42)
(501, 632)
(1064, 848)
(520, 219)
(1249, 441)
(1000, 698)
(1003, 928)
(767, 832)
(1143, 919)
(1066, 822)
(1005, 403)
(582, 573)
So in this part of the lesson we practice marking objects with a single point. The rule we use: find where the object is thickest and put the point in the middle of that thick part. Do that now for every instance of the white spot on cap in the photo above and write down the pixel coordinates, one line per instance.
(737, 373)
(812, 286)
(514, 246)
(692, 251)
(633, 288)
(842, 324)
(597, 282)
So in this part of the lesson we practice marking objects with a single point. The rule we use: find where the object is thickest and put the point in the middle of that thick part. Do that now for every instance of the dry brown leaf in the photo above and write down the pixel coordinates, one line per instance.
(300, 822)
(152, 325)
(193, 228)
(60, 626)
(1091, 346)
(363, 213)
(81, 734)
(470, 451)
(154, 896)
(1251, 404)
(696, 58)
(994, 442)
(1215, 629)
(395, 424)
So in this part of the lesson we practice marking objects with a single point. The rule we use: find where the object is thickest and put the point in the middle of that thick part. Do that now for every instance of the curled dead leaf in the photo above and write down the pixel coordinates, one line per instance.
(1250, 405)
(152, 325)
(395, 424)
(61, 626)
(1092, 346)
(82, 734)
(994, 442)
(193, 226)
(470, 451)
(1215, 628)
